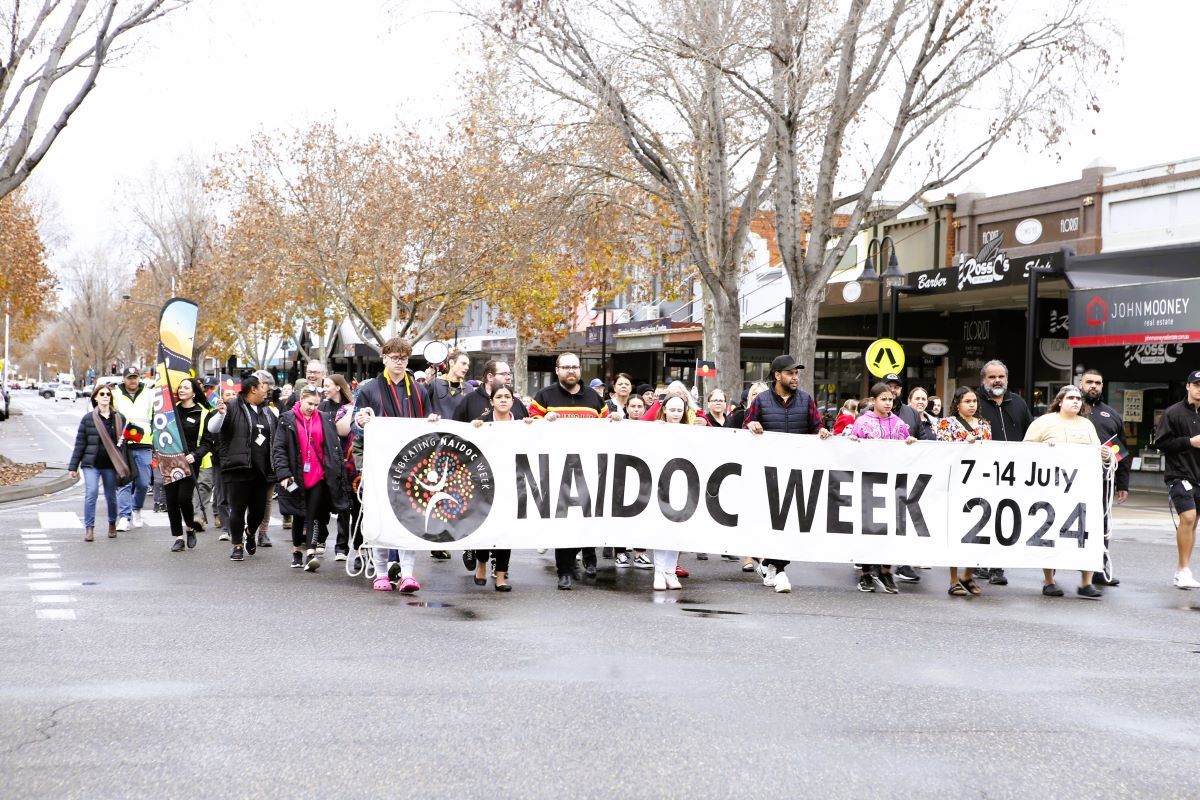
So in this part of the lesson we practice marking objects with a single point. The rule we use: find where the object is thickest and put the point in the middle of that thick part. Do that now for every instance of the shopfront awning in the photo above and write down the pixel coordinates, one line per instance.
(1128, 267)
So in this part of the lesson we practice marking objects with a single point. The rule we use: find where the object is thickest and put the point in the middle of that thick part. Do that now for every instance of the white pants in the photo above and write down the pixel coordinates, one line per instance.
(666, 561)
(408, 559)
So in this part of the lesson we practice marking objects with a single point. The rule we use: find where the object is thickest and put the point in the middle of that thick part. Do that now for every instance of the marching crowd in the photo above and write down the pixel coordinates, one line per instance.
(251, 443)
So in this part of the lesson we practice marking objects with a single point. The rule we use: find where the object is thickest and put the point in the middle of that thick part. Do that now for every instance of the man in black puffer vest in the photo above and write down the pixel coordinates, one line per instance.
(1111, 430)
(785, 408)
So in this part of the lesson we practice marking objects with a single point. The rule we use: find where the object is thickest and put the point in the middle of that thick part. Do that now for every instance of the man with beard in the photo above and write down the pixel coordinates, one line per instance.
(569, 399)
(1111, 430)
(1009, 417)
(785, 408)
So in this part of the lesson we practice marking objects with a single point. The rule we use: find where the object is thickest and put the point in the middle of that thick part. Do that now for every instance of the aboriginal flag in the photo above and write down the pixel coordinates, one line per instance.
(706, 369)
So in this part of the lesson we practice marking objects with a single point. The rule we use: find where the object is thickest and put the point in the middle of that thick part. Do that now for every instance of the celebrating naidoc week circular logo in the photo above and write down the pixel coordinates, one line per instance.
(441, 487)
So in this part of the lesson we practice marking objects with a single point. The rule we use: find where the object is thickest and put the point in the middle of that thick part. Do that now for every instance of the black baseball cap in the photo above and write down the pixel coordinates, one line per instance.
(783, 362)
(642, 388)
(1193, 376)
(132, 372)
(892, 377)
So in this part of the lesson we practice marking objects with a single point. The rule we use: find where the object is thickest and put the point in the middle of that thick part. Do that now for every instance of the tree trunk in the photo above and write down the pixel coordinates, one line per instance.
(726, 339)
(520, 365)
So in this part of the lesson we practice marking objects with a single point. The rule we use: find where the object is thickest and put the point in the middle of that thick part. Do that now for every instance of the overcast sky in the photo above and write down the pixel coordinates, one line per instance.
(208, 78)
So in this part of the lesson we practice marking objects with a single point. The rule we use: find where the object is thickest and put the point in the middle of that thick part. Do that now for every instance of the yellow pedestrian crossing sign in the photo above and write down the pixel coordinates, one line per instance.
(885, 356)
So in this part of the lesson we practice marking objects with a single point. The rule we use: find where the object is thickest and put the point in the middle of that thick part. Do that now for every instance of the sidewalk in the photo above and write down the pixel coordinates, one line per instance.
(49, 481)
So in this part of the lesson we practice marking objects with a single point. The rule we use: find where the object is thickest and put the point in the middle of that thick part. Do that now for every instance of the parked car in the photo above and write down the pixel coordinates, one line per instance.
(65, 391)
(46, 390)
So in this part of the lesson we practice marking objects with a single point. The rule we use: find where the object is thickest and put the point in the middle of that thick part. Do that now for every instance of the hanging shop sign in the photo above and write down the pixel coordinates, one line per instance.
(989, 268)
(1162, 312)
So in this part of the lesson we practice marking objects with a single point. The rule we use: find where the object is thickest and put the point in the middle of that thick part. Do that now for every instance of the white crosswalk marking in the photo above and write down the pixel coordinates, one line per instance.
(53, 598)
(56, 613)
(52, 520)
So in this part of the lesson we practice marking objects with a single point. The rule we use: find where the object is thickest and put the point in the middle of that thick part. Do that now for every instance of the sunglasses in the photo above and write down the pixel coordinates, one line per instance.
(103, 394)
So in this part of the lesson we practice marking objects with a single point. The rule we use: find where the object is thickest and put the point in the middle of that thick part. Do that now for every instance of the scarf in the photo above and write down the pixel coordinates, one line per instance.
(115, 454)
(310, 434)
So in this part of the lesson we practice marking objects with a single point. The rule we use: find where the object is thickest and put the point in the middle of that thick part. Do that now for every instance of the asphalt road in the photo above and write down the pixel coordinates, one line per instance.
(129, 671)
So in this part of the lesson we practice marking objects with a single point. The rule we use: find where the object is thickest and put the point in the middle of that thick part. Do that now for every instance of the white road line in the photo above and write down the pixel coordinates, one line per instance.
(31, 535)
(41, 556)
(56, 613)
(41, 576)
(51, 520)
(40, 565)
(38, 548)
(53, 598)
(53, 433)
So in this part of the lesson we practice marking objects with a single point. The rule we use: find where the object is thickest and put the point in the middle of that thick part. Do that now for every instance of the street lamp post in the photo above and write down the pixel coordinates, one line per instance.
(893, 277)
(604, 309)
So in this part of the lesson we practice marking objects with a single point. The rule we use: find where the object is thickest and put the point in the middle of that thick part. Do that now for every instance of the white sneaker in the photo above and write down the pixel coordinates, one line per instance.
(769, 575)
(660, 582)
(672, 580)
(782, 584)
(123, 524)
(224, 537)
(541, 551)
(1183, 579)
(137, 519)
(642, 561)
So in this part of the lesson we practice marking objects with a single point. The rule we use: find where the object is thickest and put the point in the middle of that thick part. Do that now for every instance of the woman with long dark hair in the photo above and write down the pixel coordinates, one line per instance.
(244, 429)
(622, 390)
(307, 457)
(879, 423)
(1065, 422)
(100, 454)
(191, 412)
(964, 425)
(501, 411)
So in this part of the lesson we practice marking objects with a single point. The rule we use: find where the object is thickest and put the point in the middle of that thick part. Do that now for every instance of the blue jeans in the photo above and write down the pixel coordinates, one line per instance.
(91, 492)
(132, 495)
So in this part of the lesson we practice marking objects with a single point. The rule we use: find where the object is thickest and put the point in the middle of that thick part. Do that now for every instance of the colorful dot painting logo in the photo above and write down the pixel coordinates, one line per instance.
(441, 487)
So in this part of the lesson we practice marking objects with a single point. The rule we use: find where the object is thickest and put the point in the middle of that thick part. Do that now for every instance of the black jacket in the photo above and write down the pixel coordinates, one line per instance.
(919, 426)
(475, 403)
(376, 394)
(233, 440)
(87, 441)
(285, 458)
(1109, 424)
(1009, 420)
(1179, 424)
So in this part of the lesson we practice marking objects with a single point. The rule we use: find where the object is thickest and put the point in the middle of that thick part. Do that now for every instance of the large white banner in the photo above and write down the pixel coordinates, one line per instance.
(570, 483)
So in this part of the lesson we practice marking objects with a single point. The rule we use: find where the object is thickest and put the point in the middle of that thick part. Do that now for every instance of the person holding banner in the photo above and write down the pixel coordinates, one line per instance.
(1111, 430)
(964, 425)
(569, 398)
(1062, 422)
(244, 429)
(785, 408)
(394, 393)
(503, 402)
(675, 411)
(879, 423)
(191, 412)
(307, 458)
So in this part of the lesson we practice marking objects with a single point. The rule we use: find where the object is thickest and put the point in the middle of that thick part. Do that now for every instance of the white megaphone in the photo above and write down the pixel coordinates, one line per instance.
(436, 353)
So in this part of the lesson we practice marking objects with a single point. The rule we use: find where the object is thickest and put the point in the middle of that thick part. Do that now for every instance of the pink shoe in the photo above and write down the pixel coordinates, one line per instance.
(409, 585)
(382, 584)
